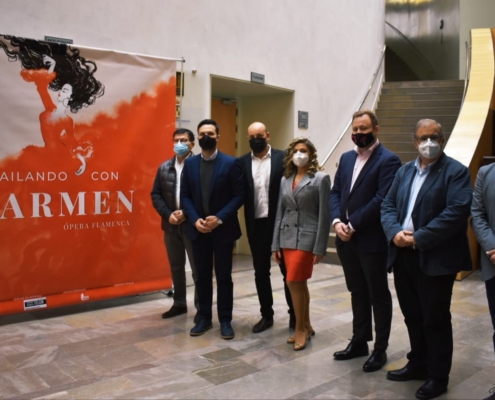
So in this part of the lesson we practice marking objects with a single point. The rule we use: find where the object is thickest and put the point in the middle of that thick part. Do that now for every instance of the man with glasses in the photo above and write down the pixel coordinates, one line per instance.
(424, 216)
(166, 200)
(263, 169)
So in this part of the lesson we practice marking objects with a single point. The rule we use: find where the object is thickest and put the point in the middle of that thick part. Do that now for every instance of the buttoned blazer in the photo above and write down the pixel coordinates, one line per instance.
(439, 216)
(361, 205)
(483, 217)
(226, 196)
(276, 173)
(303, 217)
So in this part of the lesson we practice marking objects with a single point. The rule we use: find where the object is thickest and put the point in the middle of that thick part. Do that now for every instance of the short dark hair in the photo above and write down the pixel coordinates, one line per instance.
(180, 131)
(210, 122)
(369, 113)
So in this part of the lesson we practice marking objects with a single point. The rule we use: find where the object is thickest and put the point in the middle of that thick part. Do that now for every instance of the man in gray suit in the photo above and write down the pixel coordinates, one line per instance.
(483, 223)
(166, 200)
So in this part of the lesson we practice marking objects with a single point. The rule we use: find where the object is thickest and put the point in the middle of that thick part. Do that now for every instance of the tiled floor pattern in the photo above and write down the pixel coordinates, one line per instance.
(122, 349)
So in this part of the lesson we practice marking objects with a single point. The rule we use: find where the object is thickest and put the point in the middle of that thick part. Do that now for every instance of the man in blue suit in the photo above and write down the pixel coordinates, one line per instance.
(212, 192)
(362, 180)
(424, 216)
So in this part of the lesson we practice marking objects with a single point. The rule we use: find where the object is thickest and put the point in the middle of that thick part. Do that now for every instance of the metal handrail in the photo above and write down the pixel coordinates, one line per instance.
(359, 107)
(411, 44)
(468, 71)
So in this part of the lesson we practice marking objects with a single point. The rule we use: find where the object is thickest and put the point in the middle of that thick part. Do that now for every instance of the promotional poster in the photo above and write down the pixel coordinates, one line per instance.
(83, 132)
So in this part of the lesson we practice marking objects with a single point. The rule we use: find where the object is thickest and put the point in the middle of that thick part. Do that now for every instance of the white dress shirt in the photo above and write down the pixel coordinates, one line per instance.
(262, 168)
(178, 172)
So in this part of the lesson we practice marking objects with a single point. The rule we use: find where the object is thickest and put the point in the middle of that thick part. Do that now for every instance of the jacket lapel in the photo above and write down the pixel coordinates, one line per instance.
(430, 179)
(306, 180)
(249, 169)
(288, 188)
(350, 169)
(273, 166)
(371, 161)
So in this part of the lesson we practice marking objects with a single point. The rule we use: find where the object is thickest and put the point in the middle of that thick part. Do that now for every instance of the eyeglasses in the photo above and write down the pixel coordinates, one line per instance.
(435, 138)
(185, 141)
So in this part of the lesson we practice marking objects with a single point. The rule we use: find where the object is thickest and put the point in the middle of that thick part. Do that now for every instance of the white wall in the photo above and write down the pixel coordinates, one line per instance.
(474, 14)
(324, 50)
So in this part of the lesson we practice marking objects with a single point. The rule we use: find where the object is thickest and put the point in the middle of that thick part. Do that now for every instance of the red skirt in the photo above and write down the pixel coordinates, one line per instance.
(299, 264)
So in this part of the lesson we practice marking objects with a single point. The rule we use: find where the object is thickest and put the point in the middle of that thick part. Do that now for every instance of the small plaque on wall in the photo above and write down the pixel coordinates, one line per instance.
(257, 78)
(54, 39)
(302, 119)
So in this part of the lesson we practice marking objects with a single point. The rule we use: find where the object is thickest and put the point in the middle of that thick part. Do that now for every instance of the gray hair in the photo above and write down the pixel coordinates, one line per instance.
(425, 122)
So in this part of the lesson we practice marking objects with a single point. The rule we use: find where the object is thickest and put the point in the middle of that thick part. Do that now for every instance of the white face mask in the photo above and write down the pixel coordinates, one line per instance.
(429, 149)
(300, 159)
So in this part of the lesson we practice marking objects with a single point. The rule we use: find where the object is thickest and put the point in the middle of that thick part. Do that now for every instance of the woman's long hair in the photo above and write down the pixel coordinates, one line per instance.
(290, 168)
(70, 67)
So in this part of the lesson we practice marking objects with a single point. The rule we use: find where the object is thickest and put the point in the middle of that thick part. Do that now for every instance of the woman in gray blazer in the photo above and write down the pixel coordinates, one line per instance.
(301, 228)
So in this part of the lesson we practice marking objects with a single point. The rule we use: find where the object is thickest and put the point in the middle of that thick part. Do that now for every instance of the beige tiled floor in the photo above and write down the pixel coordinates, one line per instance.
(122, 349)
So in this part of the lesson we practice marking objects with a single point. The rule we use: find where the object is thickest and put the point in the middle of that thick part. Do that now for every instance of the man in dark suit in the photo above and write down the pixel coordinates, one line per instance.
(361, 182)
(483, 223)
(263, 169)
(212, 192)
(166, 200)
(424, 216)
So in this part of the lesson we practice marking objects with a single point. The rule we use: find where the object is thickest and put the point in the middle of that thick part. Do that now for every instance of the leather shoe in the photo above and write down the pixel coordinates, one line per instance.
(262, 325)
(174, 311)
(431, 389)
(226, 330)
(201, 327)
(376, 361)
(353, 350)
(408, 373)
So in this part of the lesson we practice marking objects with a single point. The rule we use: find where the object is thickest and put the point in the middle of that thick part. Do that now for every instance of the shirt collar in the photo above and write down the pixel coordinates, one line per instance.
(213, 156)
(417, 165)
(367, 151)
(269, 154)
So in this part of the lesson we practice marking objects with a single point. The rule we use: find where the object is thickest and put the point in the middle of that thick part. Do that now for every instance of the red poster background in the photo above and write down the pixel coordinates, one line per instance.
(52, 247)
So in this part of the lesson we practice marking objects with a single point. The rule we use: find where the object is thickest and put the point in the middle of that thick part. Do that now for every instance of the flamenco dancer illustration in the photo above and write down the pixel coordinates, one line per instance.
(61, 69)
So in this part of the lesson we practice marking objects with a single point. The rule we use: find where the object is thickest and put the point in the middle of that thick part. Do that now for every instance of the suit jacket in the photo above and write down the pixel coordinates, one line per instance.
(361, 205)
(483, 217)
(303, 217)
(276, 173)
(439, 216)
(226, 195)
(163, 192)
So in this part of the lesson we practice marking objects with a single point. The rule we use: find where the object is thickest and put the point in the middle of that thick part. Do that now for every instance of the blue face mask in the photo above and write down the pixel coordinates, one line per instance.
(181, 149)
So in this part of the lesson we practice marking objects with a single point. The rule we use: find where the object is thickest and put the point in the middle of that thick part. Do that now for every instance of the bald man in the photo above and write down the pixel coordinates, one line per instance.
(262, 169)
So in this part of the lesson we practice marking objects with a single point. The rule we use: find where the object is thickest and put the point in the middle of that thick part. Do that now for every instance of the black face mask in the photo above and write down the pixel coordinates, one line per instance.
(207, 143)
(257, 144)
(363, 139)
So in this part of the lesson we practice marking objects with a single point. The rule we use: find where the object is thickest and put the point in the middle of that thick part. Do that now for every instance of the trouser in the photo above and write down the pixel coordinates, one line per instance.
(490, 294)
(425, 303)
(209, 254)
(366, 279)
(260, 244)
(177, 245)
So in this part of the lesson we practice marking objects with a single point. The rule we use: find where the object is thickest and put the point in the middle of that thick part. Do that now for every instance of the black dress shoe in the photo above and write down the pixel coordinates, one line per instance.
(431, 389)
(262, 325)
(376, 361)
(408, 373)
(174, 311)
(353, 350)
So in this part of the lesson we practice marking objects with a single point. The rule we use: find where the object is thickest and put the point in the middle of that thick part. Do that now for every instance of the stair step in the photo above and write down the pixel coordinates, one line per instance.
(400, 147)
(387, 105)
(429, 83)
(411, 121)
(391, 98)
(331, 257)
(406, 156)
(422, 90)
(417, 112)
(395, 130)
(400, 142)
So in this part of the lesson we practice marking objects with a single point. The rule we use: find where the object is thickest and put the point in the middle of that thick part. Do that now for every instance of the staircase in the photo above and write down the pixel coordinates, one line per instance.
(401, 106)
